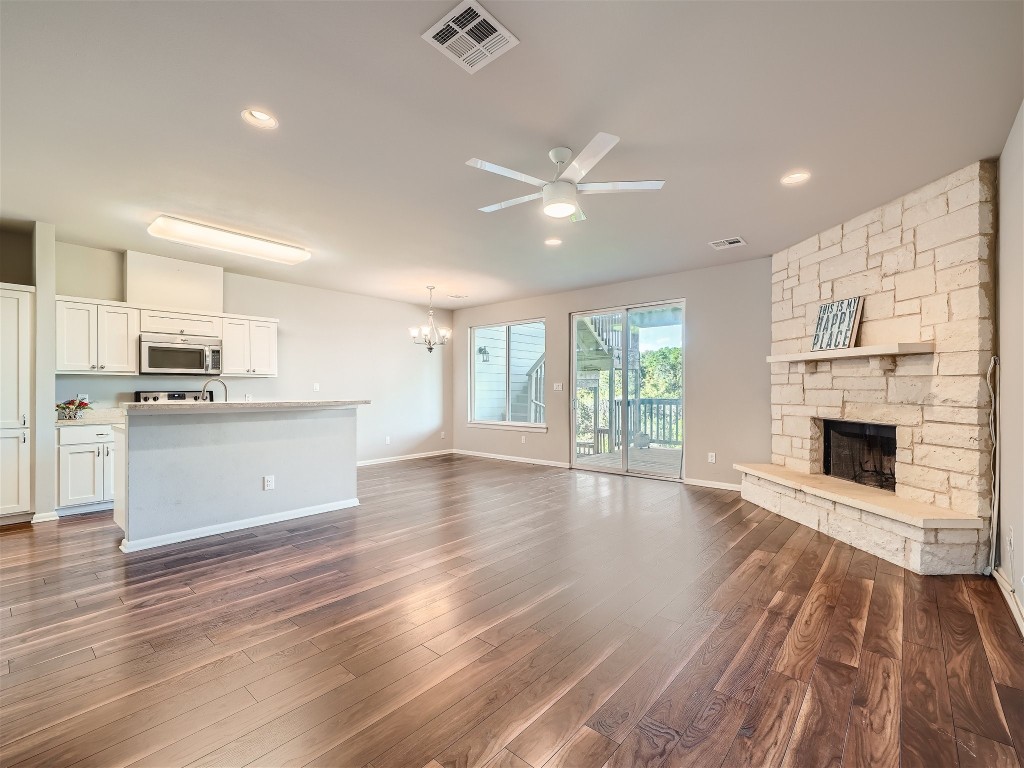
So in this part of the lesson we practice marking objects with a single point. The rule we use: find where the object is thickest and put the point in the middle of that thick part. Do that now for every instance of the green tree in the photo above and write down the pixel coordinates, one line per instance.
(661, 372)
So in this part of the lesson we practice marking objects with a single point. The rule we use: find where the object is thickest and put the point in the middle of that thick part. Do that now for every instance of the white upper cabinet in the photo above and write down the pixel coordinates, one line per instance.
(118, 339)
(263, 347)
(235, 354)
(155, 321)
(15, 343)
(95, 338)
(77, 346)
(250, 348)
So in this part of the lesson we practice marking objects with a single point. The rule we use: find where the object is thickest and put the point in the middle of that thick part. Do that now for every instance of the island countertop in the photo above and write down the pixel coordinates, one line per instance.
(152, 409)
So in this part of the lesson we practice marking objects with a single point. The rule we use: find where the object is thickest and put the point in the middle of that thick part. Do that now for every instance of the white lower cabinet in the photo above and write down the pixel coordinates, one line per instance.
(85, 465)
(15, 455)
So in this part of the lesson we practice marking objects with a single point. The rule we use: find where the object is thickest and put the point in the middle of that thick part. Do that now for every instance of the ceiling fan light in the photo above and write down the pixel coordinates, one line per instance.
(560, 199)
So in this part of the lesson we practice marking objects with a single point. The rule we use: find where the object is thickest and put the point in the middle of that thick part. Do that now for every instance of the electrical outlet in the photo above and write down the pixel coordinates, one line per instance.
(248, 397)
(442, 435)
(316, 387)
(711, 458)
(524, 439)
(268, 482)
(83, 396)
(387, 440)
(558, 386)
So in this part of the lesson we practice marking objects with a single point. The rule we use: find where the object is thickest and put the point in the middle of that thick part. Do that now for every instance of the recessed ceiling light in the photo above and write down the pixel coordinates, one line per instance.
(553, 241)
(205, 236)
(259, 118)
(793, 178)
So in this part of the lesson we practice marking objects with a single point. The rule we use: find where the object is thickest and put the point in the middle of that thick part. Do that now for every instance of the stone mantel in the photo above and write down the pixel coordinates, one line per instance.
(875, 350)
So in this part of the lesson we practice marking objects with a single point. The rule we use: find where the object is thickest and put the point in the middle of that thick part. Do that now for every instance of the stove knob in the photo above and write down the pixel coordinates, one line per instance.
(156, 397)
(195, 397)
(146, 398)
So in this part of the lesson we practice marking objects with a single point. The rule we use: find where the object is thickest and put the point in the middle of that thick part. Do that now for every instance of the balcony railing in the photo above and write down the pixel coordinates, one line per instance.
(659, 419)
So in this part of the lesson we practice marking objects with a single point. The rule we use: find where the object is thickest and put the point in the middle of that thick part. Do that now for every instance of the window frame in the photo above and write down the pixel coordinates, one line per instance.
(515, 426)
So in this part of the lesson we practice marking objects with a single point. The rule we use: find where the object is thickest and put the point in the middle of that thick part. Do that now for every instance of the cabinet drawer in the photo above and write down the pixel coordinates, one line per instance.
(176, 322)
(87, 433)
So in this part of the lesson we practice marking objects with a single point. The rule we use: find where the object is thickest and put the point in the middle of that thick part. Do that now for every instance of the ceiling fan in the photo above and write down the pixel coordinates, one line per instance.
(559, 194)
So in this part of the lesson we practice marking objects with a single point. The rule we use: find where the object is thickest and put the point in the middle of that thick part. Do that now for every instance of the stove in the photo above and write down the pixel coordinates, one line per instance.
(181, 396)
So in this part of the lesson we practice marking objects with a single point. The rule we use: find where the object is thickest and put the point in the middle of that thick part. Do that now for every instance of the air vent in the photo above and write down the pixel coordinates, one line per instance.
(470, 36)
(729, 242)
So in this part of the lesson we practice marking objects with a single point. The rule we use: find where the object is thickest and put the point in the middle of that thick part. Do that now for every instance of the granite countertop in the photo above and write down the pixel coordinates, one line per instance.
(94, 417)
(149, 409)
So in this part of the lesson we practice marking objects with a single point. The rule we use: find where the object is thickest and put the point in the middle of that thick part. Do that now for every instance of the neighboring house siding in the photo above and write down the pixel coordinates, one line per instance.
(489, 377)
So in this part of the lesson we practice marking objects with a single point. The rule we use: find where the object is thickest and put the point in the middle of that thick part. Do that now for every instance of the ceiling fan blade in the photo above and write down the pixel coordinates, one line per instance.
(578, 216)
(510, 203)
(594, 187)
(483, 165)
(590, 156)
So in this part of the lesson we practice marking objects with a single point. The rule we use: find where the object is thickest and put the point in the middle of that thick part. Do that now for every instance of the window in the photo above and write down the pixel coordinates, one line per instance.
(507, 375)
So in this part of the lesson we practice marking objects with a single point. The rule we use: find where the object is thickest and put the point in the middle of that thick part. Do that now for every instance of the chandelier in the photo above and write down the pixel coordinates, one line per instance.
(430, 335)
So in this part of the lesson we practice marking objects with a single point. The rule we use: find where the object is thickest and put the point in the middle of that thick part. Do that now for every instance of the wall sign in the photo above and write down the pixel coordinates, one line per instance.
(837, 324)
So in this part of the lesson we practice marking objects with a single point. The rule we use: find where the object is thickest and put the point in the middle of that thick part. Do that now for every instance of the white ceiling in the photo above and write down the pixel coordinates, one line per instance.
(115, 112)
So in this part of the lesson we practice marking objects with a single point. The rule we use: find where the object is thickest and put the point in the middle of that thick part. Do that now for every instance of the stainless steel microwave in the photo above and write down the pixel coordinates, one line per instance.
(171, 353)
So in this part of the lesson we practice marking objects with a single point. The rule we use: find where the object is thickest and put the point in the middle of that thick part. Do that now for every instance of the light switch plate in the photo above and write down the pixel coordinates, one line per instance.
(558, 386)
(83, 397)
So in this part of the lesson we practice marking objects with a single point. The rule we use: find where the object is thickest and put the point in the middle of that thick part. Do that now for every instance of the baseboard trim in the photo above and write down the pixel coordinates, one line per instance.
(713, 484)
(517, 459)
(237, 525)
(45, 517)
(1011, 598)
(81, 509)
(405, 457)
(17, 517)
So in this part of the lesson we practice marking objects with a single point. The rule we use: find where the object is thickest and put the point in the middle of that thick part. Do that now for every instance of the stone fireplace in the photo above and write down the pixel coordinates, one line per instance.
(924, 265)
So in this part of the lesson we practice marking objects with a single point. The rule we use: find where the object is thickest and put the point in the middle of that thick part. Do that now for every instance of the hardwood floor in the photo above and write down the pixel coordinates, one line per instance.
(481, 613)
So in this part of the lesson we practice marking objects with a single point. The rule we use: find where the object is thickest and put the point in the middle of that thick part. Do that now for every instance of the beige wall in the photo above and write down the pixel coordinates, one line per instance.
(354, 347)
(1011, 354)
(91, 272)
(726, 387)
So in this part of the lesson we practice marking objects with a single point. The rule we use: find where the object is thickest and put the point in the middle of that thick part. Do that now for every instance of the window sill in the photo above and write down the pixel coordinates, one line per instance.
(510, 426)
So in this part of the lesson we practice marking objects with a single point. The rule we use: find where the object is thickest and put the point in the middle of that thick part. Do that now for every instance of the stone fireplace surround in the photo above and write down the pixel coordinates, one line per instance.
(924, 264)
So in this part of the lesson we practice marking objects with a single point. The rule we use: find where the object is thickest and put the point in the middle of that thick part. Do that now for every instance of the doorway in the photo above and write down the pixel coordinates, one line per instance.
(627, 373)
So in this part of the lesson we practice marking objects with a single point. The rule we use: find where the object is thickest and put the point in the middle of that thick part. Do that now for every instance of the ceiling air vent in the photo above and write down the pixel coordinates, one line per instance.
(729, 242)
(470, 36)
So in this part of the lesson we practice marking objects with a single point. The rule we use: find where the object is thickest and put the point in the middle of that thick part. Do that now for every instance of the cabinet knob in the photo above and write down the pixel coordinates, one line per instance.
(24, 437)
(92, 366)
(24, 420)
(182, 330)
(97, 451)
(102, 366)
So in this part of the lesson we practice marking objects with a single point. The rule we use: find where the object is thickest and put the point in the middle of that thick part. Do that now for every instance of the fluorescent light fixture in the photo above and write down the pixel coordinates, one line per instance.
(793, 178)
(259, 118)
(552, 241)
(204, 236)
(559, 199)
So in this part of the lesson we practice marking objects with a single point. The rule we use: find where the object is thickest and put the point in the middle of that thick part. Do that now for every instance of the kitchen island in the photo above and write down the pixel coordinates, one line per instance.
(188, 470)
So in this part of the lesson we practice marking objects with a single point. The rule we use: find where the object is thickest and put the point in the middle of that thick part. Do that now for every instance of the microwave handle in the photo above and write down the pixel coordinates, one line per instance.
(208, 358)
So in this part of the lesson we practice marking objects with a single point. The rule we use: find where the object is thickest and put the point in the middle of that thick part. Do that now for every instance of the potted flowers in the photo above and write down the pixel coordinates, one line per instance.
(72, 409)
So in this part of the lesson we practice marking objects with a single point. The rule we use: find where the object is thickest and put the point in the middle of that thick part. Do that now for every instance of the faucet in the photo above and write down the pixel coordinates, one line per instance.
(208, 382)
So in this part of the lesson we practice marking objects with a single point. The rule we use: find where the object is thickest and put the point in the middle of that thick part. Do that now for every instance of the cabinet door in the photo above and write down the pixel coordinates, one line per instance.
(234, 357)
(118, 339)
(81, 474)
(263, 346)
(178, 322)
(76, 337)
(109, 462)
(15, 343)
(15, 450)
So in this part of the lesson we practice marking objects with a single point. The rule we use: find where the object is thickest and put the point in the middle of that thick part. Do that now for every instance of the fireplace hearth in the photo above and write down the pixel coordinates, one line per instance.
(861, 453)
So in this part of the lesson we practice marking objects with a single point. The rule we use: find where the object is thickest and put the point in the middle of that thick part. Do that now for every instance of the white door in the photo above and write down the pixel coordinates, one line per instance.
(15, 343)
(81, 474)
(118, 339)
(263, 346)
(234, 356)
(15, 452)
(76, 337)
(109, 456)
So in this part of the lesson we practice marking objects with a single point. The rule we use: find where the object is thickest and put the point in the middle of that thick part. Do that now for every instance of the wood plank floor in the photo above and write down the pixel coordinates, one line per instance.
(481, 613)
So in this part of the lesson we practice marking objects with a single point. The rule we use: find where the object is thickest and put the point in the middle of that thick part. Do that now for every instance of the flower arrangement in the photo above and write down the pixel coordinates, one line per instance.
(72, 409)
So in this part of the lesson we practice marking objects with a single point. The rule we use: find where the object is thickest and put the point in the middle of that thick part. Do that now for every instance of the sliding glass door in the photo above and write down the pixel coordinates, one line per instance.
(628, 390)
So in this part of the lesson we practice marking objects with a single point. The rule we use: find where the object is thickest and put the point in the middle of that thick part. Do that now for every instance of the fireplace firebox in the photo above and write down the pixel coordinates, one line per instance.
(861, 453)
